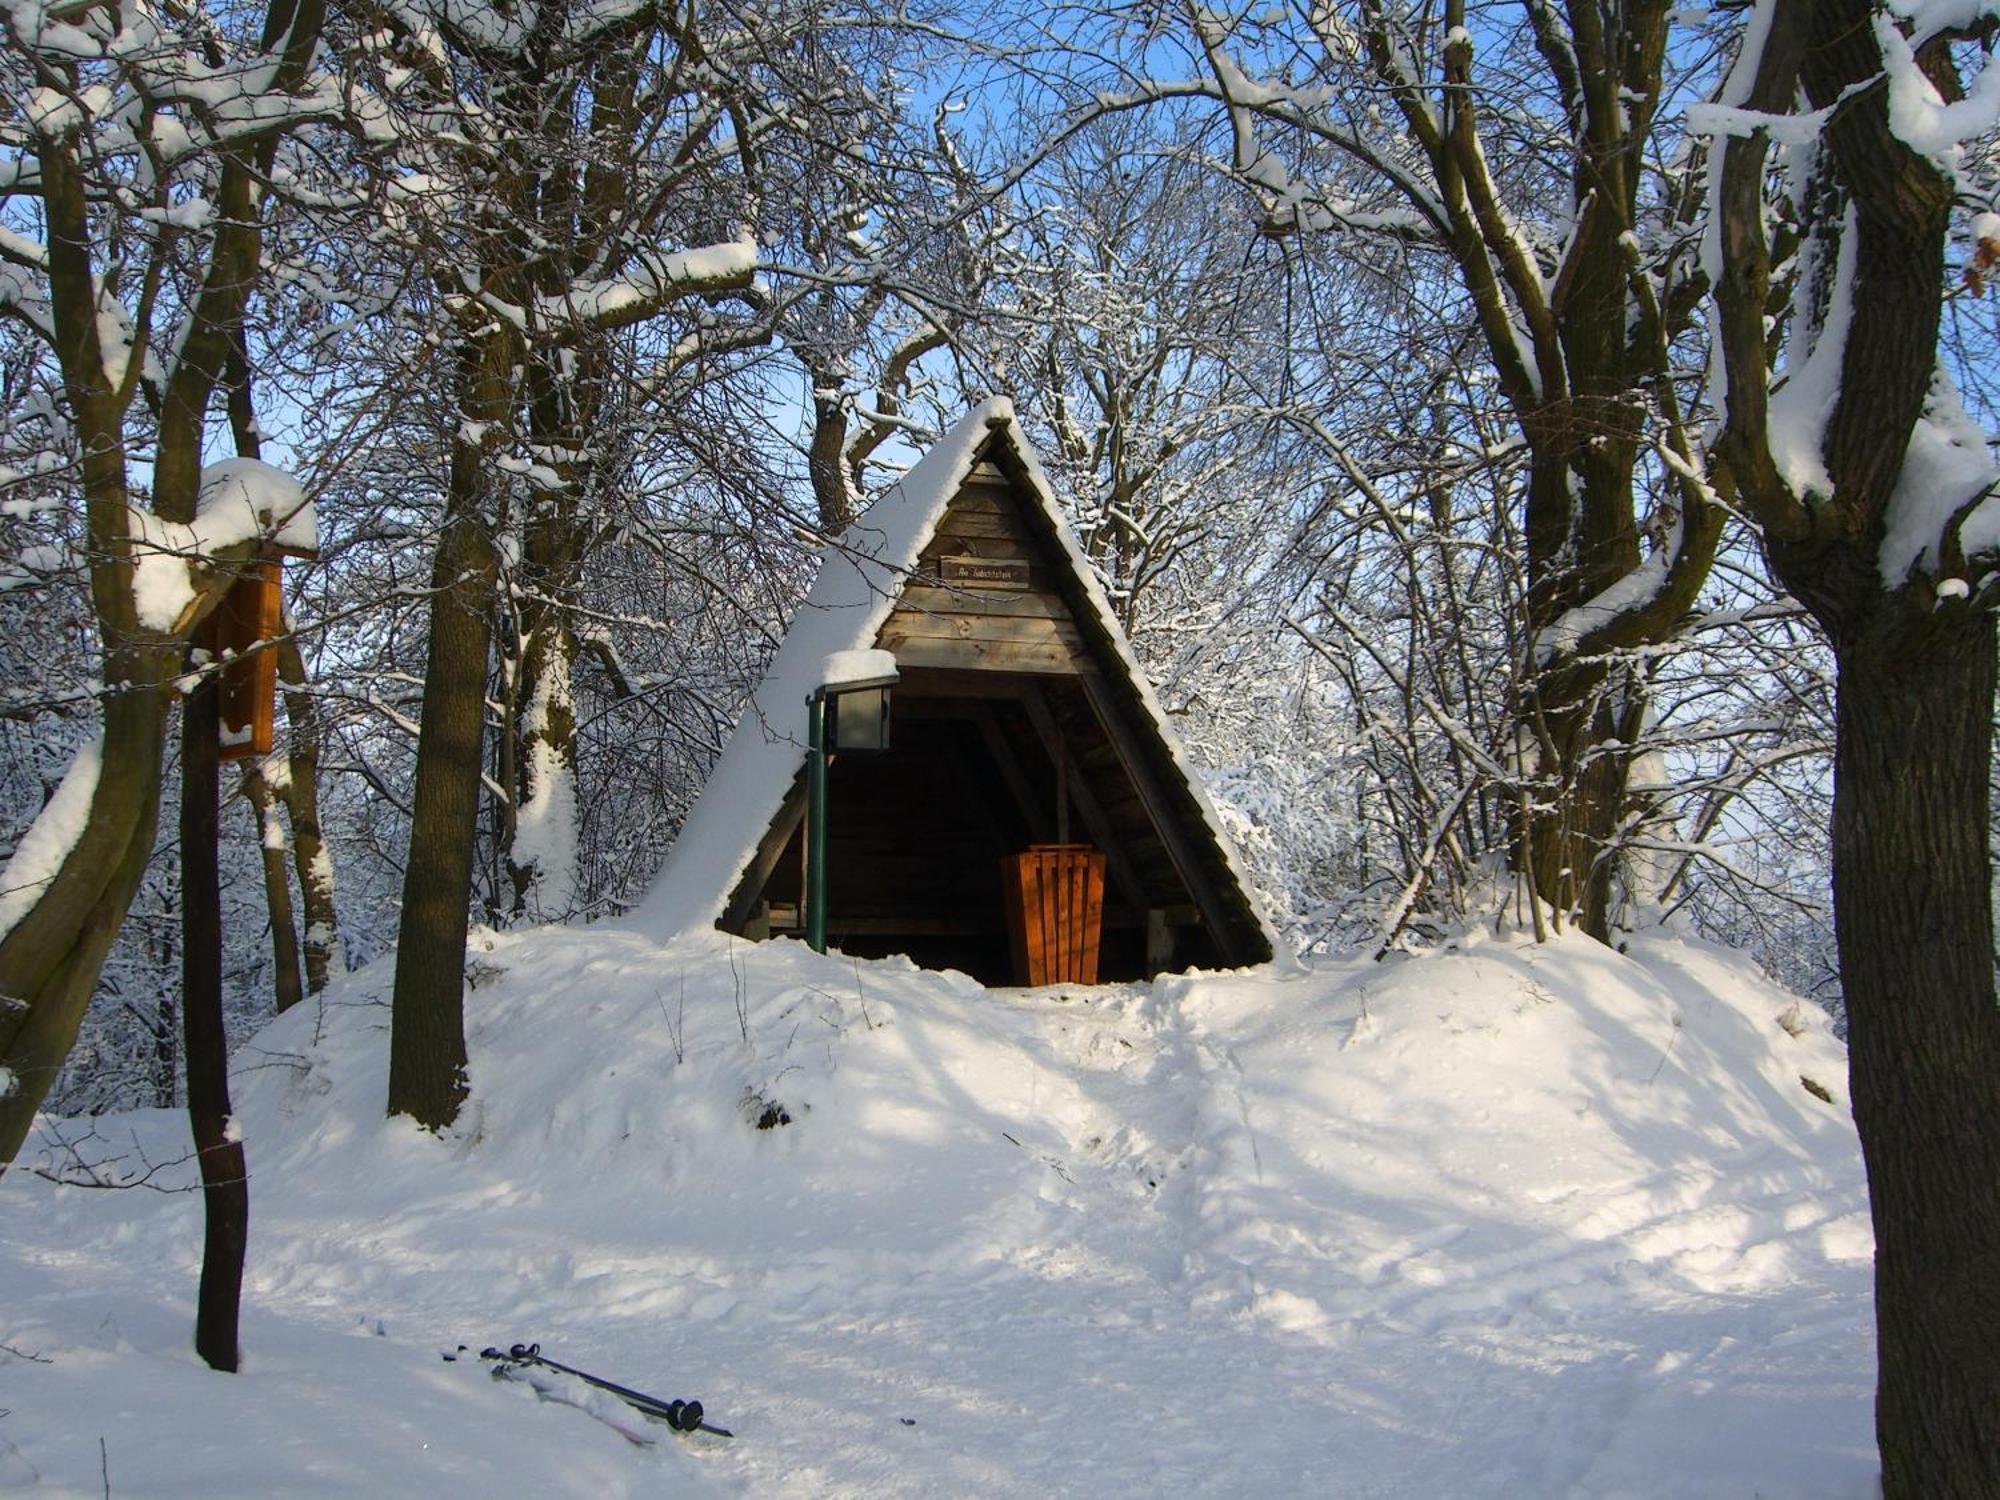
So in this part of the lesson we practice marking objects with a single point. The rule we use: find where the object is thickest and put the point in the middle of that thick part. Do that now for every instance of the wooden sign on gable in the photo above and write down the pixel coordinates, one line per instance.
(985, 572)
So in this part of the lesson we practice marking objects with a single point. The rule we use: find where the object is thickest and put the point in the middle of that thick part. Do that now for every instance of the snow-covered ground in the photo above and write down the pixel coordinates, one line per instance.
(1510, 1221)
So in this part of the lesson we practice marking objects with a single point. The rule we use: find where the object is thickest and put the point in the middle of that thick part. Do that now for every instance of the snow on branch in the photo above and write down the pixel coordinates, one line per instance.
(1802, 406)
(1289, 204)
(1661, 584)
(39, 856)
(618, 301)
(1919, 116)
(1945, 511)
(1567, 634)
(166, 99)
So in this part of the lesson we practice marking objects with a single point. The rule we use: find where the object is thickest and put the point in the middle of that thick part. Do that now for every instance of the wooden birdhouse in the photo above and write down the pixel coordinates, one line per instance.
(250, 617)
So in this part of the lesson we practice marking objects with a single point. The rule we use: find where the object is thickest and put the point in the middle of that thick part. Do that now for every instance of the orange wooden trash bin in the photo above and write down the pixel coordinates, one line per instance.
(1055, 912)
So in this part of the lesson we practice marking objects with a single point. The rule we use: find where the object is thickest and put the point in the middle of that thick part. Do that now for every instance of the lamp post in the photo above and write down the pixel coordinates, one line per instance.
(849, 710)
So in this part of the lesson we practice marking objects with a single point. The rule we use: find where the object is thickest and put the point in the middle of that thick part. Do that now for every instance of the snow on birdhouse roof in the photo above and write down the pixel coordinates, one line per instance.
(858, 584)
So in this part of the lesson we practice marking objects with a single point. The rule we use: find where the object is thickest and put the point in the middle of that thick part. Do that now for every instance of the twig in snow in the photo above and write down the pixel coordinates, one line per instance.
(1669, 1052)
(1053, 1163)
(296, 1062)
(861, 995)
(742, 998)
(677, 1024)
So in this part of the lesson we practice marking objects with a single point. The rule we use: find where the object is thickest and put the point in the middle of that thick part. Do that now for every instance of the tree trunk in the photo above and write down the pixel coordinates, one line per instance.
(1585, 715)
(50, 959)
(427, 1056)
(287, 984)
(1584, 361)
(1912, 867)
(225, 1184)
(542, 850)
(826, 459)
(1913, 915)
(301, 798)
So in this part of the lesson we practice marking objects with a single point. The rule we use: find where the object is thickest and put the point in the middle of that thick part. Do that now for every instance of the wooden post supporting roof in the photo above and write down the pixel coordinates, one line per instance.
(770, 849)
(1078, 785)
(1166, 820)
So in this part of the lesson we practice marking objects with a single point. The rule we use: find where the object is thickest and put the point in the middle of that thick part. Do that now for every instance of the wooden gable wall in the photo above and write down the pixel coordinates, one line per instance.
(985, 594)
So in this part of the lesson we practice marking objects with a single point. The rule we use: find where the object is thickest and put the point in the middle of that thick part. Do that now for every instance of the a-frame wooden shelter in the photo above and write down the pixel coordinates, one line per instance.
(1021, 718)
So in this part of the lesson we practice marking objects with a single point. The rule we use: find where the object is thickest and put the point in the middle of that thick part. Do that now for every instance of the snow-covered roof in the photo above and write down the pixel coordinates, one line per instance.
(857, 587)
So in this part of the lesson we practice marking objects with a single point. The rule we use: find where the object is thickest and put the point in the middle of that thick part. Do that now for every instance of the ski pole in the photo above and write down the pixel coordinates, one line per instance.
(681, 1416)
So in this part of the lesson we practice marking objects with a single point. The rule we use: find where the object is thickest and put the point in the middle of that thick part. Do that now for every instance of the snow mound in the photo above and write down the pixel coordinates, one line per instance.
(1514, 1220)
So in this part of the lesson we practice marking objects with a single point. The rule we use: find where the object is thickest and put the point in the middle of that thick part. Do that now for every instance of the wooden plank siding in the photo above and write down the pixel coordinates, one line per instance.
(955, 654)
(971, 629)
(1170, 807)
(926, 599)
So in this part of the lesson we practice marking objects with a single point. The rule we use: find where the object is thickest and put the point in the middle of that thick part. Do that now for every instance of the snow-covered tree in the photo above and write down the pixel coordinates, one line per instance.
(137, 153)
(560, 176)
(591, 194)
(1150, 348)
(1875, 491)
(1517, 155)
